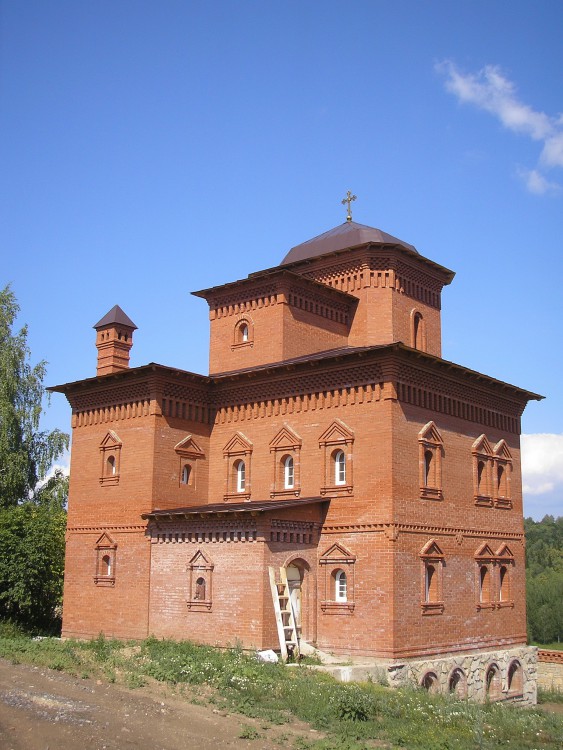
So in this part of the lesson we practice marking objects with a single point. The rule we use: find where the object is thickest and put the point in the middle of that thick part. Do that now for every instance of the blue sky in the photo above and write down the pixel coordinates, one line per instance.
(150, 149)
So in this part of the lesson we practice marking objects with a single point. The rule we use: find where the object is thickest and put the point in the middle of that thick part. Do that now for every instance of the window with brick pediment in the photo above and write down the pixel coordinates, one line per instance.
(432, 561)
(200, 582)
(430, 451)
(336, 444)
(243, 333)
(493, 574)
(105, 550)
(337, 578)
(237, 454)
(110, 452)
(482, 453)
(502, 470)
(285, 449)
(189, 456)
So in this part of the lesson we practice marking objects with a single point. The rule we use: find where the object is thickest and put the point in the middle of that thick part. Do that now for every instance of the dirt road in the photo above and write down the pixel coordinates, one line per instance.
(45, 710)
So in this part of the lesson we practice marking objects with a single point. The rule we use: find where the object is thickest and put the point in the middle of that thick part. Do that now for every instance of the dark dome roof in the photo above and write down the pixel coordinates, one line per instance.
(349, 234)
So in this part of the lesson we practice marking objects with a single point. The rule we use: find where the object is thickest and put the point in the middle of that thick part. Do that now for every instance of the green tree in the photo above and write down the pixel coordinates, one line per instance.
(32, 504)
(26, 452)
(544, 579)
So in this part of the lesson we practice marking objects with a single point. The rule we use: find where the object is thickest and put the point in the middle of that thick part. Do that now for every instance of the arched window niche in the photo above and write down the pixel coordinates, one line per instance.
(457, 683)
(493, 683)
(430, 682)
(243, 333)
(515, 678)
(418, 331)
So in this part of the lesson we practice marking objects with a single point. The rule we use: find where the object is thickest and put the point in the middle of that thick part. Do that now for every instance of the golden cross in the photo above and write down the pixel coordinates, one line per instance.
(349, 198)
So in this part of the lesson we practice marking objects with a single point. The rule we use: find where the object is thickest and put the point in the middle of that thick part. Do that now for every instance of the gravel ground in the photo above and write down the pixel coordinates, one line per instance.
(45, 710)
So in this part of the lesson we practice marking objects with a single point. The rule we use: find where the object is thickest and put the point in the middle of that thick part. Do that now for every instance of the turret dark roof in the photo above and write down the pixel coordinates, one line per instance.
(349, 234)
(115, 316)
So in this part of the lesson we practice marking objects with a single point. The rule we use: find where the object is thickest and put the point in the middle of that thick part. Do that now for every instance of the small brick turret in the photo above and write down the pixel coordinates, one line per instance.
(114, 339)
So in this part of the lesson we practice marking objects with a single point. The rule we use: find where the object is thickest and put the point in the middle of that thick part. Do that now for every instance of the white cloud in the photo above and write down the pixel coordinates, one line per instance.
(542, 464)
(491, 91)
(537, 183)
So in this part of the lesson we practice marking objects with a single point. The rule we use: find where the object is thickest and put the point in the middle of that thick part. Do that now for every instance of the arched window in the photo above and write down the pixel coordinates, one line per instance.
(186, 471)
(106, 565)
(243, 333)
(110, 465)
(431, 584)
(199, 594)
(503, 583)
(458, 683)
(493, 683)
(288, 473)
(500, 474)
(430, 682)
(418, 331)
(515, 678)
(481, 489)
(339, 467)
(240, 469)
(340, 586)
(484, 584)
(428, 457)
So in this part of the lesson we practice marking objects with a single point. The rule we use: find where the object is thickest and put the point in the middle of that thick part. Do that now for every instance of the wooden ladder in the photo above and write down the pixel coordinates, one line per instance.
(285, 618)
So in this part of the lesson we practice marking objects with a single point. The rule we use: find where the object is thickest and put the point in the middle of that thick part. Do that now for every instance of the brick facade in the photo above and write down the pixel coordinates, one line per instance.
(330, 438)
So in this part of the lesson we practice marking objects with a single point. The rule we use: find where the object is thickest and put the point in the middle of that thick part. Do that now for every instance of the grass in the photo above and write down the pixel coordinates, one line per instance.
(346, 716)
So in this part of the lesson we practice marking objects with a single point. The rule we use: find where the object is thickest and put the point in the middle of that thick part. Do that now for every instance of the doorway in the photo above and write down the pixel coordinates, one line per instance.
(294, 580)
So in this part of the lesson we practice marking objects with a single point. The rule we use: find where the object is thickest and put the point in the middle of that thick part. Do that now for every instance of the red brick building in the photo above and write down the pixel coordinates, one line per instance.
(329, 438)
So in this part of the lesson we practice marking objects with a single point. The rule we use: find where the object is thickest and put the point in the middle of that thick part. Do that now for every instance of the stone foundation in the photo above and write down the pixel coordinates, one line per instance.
(499, 675)
(508, 675)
